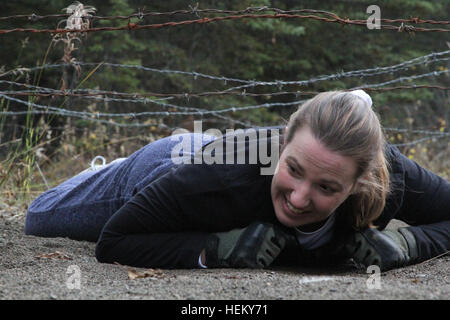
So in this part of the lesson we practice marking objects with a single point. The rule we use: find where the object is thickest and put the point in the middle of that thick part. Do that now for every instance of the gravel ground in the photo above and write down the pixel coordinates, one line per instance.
(60, 268)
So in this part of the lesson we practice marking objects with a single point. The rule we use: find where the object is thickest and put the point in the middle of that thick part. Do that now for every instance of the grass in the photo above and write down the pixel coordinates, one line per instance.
(25, 179)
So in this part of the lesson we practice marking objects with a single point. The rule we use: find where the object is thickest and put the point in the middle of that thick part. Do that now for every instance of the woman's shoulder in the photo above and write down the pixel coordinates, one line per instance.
(252, 147)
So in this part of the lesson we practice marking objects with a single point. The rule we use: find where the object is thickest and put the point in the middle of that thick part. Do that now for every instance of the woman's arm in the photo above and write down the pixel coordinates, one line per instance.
(150, 230)
(155, 250)
(419, 198)
(426, 207)
(167, 224)
(426, 197)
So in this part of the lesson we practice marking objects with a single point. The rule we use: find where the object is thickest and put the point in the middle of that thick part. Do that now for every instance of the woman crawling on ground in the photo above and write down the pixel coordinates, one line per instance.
(335, 187)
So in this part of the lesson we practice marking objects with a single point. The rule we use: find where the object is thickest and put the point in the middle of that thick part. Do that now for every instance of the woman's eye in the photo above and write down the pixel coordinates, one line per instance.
(292, 169)
(326, 189)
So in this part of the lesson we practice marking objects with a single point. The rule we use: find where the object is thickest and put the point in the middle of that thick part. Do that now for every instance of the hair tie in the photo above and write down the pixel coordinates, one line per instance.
(363, 95)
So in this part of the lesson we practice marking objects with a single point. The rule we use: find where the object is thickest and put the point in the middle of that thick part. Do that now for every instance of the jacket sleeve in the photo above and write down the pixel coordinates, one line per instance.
(167, 223)
(425, 206)
(150, 230)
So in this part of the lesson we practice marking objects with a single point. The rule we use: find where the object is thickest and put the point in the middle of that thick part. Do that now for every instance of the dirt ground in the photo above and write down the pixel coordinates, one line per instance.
(64, 269)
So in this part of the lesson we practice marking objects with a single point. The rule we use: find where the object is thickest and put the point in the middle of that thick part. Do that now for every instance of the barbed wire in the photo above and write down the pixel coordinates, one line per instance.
(401, 79)
(192, 11)
(386, 129)
(196, 11)
(138, 97)
(90, 115)
(423, 60)
(421, 131)
(94, 94)
(143, 97)
(241, 90)
(93, 116)
(196, 111)
(58, 111)
(134, 26)
(419, 141)
(434, 137)
(152, 113)
(435, 134)
(281, 84)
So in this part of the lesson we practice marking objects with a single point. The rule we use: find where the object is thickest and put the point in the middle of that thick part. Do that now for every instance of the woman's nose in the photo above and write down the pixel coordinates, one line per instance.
(300, 196)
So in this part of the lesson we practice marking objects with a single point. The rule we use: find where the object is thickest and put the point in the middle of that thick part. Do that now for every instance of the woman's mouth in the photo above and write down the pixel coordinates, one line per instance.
(291, 209)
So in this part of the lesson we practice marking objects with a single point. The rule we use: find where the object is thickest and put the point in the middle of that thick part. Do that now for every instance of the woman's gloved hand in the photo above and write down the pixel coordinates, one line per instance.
(388, 249)
(255, 246)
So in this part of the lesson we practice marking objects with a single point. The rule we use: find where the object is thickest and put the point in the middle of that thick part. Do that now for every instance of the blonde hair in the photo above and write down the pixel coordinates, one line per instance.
(346, 124)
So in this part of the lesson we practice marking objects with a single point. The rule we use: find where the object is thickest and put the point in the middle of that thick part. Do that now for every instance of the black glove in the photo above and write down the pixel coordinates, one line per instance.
(255, 246)
(388, 249)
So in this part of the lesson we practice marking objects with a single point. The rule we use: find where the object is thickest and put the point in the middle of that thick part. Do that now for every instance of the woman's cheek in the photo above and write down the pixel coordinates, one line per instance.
(328, 205)
(284, 178)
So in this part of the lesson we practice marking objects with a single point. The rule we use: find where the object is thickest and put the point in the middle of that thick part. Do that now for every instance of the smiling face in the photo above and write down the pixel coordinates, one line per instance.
(310, 181)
